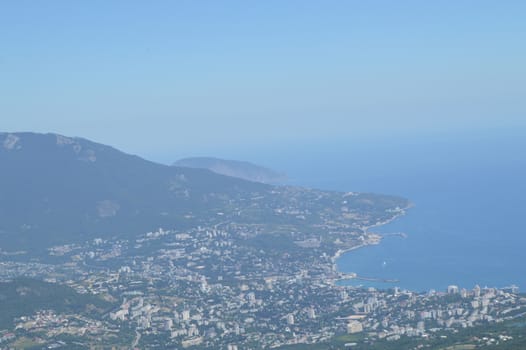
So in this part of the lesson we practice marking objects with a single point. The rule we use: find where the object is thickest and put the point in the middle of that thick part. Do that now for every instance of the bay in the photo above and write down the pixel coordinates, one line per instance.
(467, 223)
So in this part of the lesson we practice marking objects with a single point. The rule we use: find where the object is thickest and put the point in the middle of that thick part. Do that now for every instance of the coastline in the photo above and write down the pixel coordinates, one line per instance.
(377, 239)
(388, 221)
(340, 252)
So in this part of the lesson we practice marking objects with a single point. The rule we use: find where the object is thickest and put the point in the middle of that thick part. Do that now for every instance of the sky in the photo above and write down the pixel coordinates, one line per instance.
(166, 79)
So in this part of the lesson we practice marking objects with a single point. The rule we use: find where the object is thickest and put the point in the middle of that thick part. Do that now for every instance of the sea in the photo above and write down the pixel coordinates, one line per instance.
(467, 225)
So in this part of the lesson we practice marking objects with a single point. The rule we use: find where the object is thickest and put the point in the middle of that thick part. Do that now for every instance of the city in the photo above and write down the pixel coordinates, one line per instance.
(212, 287)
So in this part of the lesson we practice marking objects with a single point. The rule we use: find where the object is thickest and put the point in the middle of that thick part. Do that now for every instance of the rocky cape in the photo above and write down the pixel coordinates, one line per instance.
(240, 169)
(56, 189)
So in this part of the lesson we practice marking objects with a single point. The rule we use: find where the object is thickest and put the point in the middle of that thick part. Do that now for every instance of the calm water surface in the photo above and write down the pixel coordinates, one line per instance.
(467, 226)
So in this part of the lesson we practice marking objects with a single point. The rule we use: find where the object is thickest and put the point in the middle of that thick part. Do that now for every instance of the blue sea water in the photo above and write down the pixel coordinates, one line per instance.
(469, 193)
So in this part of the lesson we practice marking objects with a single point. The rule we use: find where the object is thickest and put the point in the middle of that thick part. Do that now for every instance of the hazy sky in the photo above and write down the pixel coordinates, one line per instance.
(199, 77)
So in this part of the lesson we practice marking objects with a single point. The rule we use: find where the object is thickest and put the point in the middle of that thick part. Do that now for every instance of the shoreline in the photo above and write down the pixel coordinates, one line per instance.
(364, 229)
(388, 221)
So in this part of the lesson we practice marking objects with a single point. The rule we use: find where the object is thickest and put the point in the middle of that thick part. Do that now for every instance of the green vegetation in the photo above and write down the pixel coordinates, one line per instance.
(24, 297)
(61, 190)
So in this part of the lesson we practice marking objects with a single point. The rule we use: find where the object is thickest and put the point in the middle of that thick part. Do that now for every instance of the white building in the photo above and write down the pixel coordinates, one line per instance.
(290, 319)
(185, 315)
(452, 289)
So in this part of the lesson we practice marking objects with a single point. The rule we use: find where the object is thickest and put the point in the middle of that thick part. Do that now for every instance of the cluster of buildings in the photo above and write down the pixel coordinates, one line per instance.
(236, 286)
(393, 314)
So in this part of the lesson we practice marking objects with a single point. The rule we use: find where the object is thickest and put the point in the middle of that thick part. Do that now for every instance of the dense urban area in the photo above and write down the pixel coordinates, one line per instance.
(234, 286)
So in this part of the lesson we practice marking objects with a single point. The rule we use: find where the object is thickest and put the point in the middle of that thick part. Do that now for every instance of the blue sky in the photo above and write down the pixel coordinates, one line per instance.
(158, 78)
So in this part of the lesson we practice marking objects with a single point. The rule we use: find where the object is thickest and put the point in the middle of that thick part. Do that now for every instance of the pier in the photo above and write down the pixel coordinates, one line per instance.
(354, 276)
(396, 234)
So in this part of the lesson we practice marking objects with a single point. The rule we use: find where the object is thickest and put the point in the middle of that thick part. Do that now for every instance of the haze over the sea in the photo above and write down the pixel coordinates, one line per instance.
(469, 193)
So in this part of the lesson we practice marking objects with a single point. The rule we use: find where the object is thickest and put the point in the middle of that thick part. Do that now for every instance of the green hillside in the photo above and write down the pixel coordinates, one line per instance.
(23, 297)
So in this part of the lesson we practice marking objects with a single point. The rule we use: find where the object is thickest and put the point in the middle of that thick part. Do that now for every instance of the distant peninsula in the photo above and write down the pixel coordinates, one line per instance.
(239, 169)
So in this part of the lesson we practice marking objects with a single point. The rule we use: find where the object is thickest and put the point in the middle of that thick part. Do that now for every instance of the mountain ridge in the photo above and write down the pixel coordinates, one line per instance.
(61, 177)
(56, 190)
(235, 168)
